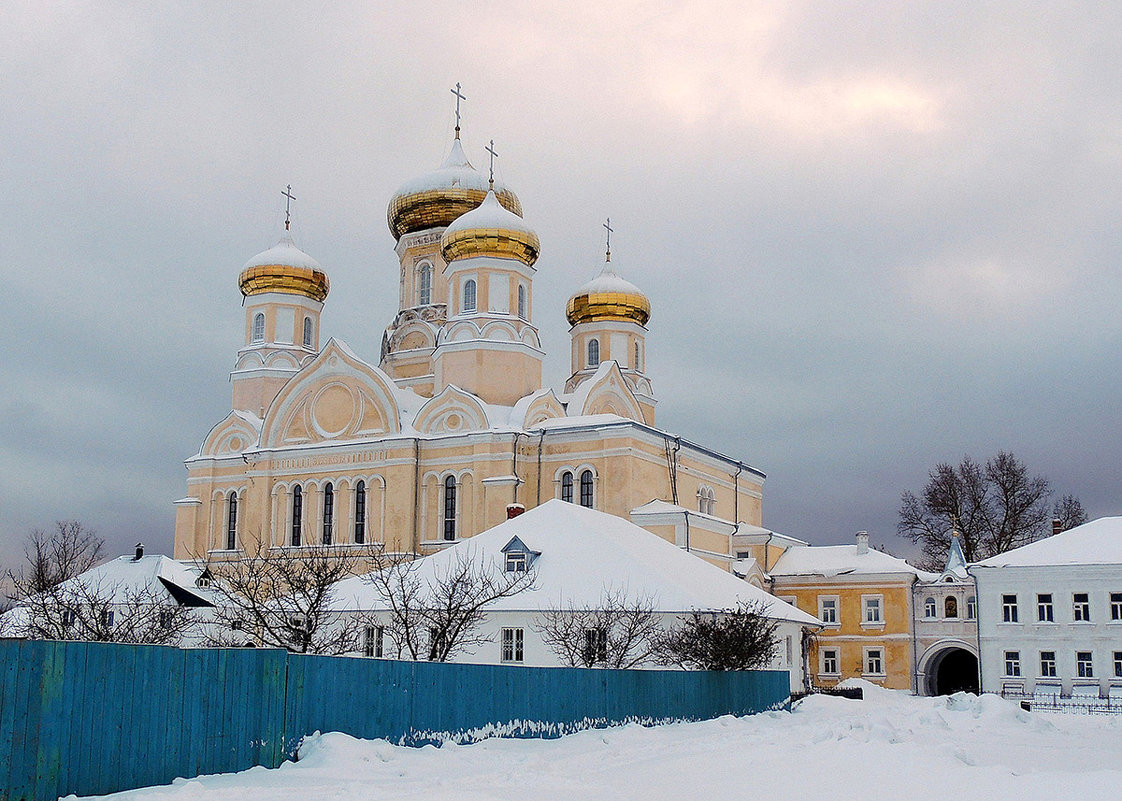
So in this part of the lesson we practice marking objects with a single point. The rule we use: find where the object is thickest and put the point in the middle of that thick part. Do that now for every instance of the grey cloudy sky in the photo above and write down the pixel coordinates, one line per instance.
(875, 236)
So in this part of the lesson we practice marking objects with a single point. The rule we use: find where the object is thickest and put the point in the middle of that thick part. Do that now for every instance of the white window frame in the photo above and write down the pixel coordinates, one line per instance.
(1045, 609)
(517, 562)
(1118, 664)
(930, 608)
(1115, 607)
(1010, 610)
(836, 622)
(868, 603)
(373, 642)
(474, 284)
(1081, 609)
(866, 661)
(1012, 665)
(258, 332)
(1085, 668)
(512, 642)
(826, 655)
(1048, 666)
(971, 607)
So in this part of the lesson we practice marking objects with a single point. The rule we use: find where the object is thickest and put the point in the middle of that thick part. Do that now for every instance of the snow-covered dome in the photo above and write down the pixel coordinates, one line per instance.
(490, 230)
(608, 297)
(284, 268)
(437, 198)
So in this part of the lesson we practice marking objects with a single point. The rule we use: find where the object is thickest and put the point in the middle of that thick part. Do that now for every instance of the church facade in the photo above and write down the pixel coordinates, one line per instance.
(431, 442)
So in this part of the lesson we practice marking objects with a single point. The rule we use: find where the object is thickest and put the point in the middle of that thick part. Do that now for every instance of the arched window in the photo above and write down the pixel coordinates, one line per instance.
(586, 488)
(360, 512)
(450, 508)
(424, 288)
(328, 511)
(950, 607)
(522, 301)
(297, 513)
(469, 295)
(929, 607)
(259, 327)
(232, 521)
(706, 500)
(593, 353)
(567, 487)
(307, 332)
(638, 363)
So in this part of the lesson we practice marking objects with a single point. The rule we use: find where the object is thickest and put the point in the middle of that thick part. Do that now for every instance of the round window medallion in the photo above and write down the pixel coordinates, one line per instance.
(452, 421)
(333, 410)
(235, 444)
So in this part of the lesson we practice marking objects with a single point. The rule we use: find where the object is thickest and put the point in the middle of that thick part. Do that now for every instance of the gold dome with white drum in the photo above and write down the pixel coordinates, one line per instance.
(287, 269)
(608, 297)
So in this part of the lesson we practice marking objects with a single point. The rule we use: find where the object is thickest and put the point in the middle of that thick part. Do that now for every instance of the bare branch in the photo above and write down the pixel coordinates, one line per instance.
(616, 633)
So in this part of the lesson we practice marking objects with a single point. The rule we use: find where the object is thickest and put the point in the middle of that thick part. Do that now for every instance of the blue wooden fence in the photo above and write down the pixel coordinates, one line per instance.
(94, 718)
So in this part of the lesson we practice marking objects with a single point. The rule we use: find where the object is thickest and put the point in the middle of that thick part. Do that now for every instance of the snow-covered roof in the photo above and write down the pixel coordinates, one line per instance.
(454, 172)
(1096, 543)
(837, 560)
(608, 280)
(586, 554)
(286, 253)
(488, 215)
(157, 577)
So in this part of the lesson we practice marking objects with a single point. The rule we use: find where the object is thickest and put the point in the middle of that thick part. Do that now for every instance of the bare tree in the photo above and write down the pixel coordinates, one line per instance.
(616, 633)
(283, 598)
(996, 507)
(99, 610)
(1069, 511)
(733, 639)
(436, 613)
(51, 558)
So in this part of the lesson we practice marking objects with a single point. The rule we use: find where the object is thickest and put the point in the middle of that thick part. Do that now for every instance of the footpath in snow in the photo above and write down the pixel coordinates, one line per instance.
(888, 746)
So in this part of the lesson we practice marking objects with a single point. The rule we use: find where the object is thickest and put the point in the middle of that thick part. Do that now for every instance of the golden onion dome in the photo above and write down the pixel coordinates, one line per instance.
(608, 297)
(284, 268)
(437, 198)
(490, 230)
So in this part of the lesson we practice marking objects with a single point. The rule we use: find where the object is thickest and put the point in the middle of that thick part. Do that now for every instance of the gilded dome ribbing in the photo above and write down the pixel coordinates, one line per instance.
(490, 230)
(284, 268)
(437, 198)
(608, 297)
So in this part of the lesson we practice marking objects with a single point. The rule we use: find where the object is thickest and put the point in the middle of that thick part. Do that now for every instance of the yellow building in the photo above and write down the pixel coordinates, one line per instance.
(864, 599)
(452, 423)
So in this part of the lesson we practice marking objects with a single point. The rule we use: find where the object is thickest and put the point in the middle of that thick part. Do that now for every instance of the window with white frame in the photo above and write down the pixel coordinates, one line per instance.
(308, 332)
(1044, 610)
(360, 513)
(297, 513)
(1116, 606)
(512, 645)
(595, 646)
(328, 512)
(1118, 664)
(594, 352)
(971, 608)
(516, 562)
(1084, 665)
(874, 662)
(873, 610)
(232, 521)
(449, 528)
(1081, 607)
(522, 302)
(567, 486)
(373, 642)
(1048, 664)
(259, 327)
(587, 496)
(1012, 663)
(829, 662)
(929, 608)
(469, 295)
(828, 609)
(424, 285)
(107, 616)
(1009, 608)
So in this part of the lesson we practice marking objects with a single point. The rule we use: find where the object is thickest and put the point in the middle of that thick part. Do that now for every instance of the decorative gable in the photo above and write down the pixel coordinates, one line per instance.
(231, 437)
(606, 392)
(452, 411)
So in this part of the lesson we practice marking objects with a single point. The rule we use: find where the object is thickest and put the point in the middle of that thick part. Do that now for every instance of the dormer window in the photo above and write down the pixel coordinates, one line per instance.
(516, 562)
(518, 556)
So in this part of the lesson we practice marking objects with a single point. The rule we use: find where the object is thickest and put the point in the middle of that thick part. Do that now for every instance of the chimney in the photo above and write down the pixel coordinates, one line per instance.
(1057, 526)
(862, 543)
(513, 510)
(139, 552)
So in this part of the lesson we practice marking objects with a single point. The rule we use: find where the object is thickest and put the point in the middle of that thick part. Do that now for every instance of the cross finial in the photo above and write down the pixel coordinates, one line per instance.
(608, 226)
(491, 149)
(289, 197)
(459, 96)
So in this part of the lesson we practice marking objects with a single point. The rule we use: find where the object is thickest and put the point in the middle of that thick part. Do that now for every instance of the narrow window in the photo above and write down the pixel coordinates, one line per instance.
(593, 353)
(1009, 608)
(259, 327)
(1012, 663)
(1081, 607)
(1048, 664)
(1118, 664)
(971, 608)
(522, 301)
(360, 512)
(232, 521)
(929, 608)
(424, 294)
(512, 645)
(872, 610)
(107, 618)
(297, 513)
(638, 364)
(567, 487)
(595, 646)
(874, 662)
(828, 611)
(1044, 610)
(1116, 606)
(950, 607)
(307, 332)
(586, 489)
(469, 295)
(450, 508)
(373, 638)
(830, 662)
(1084, 668)
(328, 511)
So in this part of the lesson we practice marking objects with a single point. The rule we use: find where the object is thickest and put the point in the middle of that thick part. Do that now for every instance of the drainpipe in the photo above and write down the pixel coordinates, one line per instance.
(915, 646)
(514, 465)
(686, 515)
(541, 439)
(416, 491)
(978, 625)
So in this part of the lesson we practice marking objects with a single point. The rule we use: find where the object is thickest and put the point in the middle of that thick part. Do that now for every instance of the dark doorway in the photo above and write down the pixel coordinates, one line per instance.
(953, 671)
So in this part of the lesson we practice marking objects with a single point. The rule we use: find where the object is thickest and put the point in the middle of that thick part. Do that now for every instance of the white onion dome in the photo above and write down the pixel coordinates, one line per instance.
(608, 297)
(284, 268)
(437, 198)
(490, 230)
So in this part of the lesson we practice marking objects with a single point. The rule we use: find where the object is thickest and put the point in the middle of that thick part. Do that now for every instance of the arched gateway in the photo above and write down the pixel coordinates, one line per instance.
(951, 670)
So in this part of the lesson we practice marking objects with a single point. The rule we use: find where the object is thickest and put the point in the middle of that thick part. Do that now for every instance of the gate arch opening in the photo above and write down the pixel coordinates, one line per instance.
(952, 670)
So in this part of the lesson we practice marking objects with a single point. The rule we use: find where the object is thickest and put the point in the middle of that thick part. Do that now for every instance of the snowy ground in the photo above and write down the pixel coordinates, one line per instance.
(889, 746)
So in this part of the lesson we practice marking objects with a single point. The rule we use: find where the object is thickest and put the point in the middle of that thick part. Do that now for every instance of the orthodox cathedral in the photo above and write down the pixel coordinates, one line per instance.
(452, 424)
